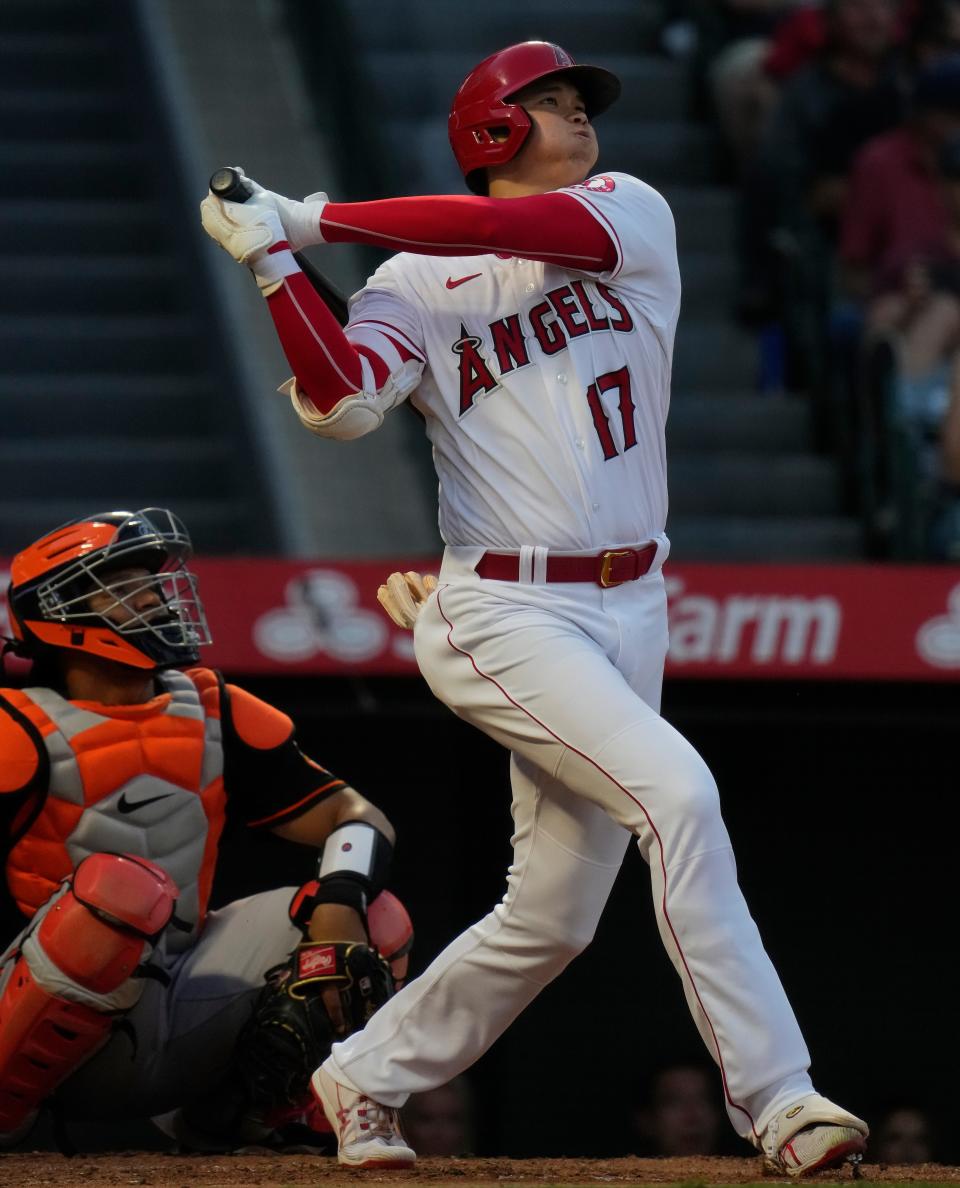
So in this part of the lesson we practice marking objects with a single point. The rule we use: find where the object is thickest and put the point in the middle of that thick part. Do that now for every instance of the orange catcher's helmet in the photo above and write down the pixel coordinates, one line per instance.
(487, 129)
(150, 620)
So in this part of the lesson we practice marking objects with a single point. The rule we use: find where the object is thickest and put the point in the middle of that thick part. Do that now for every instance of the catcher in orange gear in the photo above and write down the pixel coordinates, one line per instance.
(120, 761)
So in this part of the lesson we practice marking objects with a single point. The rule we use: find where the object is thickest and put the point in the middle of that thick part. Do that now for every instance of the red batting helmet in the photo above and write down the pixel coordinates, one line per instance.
(487, 129)
(53, 579)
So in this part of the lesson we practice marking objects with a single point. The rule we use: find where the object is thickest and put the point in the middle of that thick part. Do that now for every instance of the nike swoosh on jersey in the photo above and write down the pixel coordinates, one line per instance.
(126, 806)
(452, 284)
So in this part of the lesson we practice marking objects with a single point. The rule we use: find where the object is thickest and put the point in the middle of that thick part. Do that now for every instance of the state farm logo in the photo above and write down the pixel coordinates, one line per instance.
(321, 615)
(758, 628)
(938, 640)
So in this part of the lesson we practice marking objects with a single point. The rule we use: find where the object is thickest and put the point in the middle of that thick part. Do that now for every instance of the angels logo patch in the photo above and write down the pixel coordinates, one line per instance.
(601, 184)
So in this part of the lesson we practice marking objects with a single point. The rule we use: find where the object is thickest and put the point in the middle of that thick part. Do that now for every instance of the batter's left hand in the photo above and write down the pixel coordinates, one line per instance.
(246, 230)
(301, 220)
(403, 595)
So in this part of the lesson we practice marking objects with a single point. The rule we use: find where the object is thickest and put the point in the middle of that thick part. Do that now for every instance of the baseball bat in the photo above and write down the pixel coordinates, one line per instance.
(232, 186)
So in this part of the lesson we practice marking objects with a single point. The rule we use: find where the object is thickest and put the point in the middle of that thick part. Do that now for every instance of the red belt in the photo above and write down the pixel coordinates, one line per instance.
(612, 568)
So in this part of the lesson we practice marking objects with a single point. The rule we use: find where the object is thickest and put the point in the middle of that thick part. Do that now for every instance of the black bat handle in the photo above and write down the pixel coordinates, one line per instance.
(230, 185)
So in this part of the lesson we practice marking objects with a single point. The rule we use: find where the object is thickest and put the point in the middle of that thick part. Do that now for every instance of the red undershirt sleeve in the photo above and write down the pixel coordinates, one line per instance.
(327, 365)
(553, 228)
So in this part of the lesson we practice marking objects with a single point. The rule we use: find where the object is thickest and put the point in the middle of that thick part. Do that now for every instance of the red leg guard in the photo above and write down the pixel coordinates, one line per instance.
(391, 933)
(42, 1040)
(73, 974)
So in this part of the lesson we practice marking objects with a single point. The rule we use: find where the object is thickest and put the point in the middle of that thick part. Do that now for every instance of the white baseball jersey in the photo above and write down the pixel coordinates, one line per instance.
(545, 391)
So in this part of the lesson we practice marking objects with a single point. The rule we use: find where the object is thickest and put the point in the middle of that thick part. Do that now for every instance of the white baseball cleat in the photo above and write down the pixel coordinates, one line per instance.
(368, 1133)
(813, 1134)
(820, 1147)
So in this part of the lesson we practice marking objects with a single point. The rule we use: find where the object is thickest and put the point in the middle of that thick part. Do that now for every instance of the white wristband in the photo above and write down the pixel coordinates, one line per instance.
(272, 268)
(301, 220)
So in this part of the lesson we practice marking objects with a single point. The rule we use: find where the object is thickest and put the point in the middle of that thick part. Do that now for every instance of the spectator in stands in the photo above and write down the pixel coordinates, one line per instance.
(747, 74)
(925, 26)
(679, 1114)
(900, 225)
(950, 433)
(725, 34)
(900, 245)
(734, 37)
(852, 91)
(796, 42)
(441, 1121)
(903, 1135)
(943, 543)
(933, 31)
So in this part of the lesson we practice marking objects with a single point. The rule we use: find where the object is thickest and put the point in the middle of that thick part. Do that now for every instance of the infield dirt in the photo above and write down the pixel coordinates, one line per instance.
(30, 1170)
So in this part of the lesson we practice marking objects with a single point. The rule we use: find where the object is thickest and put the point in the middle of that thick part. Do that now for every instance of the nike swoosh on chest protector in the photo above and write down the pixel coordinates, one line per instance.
(126, 806)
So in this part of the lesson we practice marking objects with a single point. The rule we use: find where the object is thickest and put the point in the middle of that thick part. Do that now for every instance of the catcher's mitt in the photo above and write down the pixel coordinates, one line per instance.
(322, 994)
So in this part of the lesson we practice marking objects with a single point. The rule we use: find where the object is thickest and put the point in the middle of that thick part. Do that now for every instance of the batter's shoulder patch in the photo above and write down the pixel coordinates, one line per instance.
(603, 183)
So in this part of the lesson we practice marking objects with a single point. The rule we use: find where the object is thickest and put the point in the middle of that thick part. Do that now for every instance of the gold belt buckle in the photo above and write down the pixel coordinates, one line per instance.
(607, 562)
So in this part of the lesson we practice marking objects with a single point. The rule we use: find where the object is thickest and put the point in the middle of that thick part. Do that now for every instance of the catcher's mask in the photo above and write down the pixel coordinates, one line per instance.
(152, 619)
(486, 128)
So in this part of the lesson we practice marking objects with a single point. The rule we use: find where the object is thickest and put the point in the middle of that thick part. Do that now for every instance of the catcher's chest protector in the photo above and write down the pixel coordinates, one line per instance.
(148, 781)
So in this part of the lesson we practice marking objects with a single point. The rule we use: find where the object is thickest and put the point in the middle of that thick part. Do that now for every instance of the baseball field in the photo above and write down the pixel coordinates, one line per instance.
(273, 1171)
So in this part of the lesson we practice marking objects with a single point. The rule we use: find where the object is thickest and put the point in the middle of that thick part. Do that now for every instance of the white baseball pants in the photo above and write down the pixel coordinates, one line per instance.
(568, 677)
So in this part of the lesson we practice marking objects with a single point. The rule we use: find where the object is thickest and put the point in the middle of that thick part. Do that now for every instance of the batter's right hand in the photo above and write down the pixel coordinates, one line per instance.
(403, 595)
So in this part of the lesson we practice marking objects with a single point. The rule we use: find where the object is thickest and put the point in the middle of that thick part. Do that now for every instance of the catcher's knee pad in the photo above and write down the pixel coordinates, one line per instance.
(322, 994)
(93, 937)
(391, 933)
(73, 972)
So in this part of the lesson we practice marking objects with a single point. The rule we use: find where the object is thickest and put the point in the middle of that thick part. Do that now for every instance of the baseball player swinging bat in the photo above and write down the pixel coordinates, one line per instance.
(532, 325)
(229, 184)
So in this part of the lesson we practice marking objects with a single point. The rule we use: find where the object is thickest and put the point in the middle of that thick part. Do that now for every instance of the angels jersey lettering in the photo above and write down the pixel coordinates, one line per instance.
(566, 313)
(546, 390)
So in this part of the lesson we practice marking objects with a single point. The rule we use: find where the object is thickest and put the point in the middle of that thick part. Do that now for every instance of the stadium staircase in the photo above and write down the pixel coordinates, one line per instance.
(117, 389)
(745, 480)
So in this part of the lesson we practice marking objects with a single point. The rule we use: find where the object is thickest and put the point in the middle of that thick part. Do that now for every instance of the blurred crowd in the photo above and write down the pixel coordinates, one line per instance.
(840, 126)
(679, 1114)
(676, 1114)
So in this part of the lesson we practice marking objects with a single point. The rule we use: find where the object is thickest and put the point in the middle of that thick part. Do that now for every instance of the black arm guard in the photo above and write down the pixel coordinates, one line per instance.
(291, 1030)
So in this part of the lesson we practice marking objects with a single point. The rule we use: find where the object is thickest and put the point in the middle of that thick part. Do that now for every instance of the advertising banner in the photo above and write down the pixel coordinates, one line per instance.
(271, 616)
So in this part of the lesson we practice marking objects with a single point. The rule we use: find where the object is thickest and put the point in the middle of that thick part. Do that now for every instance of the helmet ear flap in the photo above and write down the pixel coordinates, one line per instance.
(23, 656)
(488, 133)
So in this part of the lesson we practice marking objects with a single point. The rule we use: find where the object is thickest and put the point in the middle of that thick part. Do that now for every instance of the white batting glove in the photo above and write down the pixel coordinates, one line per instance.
(403, 596)
(300, 220)
(247, 230)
